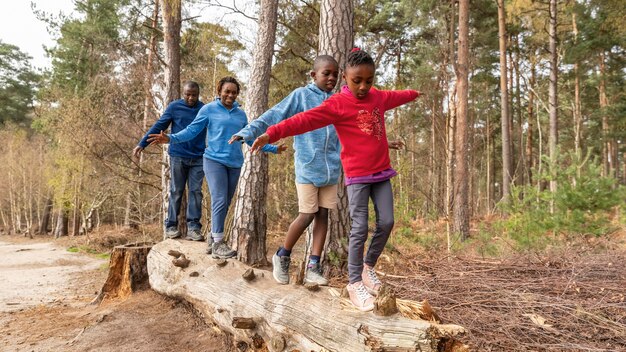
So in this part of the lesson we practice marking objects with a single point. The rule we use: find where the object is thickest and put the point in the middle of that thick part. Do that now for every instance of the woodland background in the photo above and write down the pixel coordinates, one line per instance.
(68, 131)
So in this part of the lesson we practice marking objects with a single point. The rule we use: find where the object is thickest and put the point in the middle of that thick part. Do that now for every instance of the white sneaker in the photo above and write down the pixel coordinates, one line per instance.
(359, 296)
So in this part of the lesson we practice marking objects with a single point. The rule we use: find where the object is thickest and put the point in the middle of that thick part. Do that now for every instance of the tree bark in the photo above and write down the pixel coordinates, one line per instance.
(336, 38)
(504, 105)
(461, 176)
(62, 223)
(45, 219)
(531, 122)
(171, 43)
(249, 230)
(128, 271)
(553, 95)
(300, 319)
(608, 168)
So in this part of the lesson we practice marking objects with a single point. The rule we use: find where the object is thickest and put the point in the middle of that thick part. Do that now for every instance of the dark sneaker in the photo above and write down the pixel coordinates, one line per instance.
(172, 232)
(194, 235)
(209, 241)
(314, 275)
(222, 251)
(281, 269)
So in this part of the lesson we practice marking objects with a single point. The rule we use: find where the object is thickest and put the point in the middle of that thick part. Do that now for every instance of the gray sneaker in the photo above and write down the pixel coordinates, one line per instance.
(194, 235)
(314, 275)
(281, 269)
(222, 251)
(172, 232)
(209, 241)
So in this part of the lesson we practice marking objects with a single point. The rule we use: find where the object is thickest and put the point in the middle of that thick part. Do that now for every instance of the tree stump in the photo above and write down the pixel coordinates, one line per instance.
(286, 317)
(128, 271)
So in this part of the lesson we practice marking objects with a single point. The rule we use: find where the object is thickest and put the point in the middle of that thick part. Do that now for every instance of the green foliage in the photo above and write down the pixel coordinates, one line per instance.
(582, 205)
(18, 84)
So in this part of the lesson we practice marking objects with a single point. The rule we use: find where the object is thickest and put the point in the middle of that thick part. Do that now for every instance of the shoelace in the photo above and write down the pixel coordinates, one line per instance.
(371, 274)
(361, 293)
(284, 264)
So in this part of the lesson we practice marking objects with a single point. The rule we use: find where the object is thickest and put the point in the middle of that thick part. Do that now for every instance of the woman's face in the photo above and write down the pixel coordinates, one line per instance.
(228, 94)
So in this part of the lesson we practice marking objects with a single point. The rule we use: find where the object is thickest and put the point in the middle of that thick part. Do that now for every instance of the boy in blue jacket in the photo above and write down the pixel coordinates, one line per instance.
(185, 162)
(317, 167)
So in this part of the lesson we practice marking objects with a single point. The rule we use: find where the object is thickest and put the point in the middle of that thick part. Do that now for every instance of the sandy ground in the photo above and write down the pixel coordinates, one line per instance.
(45, 305)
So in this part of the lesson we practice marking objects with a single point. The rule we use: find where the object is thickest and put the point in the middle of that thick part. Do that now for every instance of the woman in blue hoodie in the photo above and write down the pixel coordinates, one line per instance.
(222, 161)
(317, 167)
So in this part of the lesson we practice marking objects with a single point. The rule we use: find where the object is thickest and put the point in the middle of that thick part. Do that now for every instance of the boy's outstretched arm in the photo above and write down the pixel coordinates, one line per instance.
(288, 107)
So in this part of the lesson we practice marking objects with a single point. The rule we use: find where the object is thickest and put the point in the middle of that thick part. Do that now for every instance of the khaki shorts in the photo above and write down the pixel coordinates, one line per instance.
(311, 198)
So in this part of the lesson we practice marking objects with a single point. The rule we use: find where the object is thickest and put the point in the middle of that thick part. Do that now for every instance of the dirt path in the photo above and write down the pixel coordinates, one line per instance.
(44, 306)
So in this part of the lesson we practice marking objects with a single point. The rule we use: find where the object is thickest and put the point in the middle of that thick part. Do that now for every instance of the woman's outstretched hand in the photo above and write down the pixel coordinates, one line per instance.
(397, 144)
(260, 142)
(160, 138)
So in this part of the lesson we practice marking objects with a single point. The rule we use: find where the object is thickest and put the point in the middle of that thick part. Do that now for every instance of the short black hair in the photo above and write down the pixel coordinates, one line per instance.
(228, 79)
(191, 84)
(359, 57)
(323, 59)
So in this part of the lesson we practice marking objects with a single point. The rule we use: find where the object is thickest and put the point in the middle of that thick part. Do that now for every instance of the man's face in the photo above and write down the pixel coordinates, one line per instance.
(190, 95)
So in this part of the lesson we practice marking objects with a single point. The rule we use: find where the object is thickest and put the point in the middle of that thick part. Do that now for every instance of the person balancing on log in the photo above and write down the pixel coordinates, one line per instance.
(357, 114)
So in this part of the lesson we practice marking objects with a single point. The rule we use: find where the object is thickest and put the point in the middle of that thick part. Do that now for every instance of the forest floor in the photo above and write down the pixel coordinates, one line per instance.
(45, 298)
(566, 298)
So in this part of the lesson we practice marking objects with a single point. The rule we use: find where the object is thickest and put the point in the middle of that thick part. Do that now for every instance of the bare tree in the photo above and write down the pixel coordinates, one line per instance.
(504, 110)
(461, 175)
(249, 228)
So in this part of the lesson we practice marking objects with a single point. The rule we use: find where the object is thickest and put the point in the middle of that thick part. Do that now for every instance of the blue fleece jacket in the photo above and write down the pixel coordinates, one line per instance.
(220, 123)
(317, 152)
(179, 115)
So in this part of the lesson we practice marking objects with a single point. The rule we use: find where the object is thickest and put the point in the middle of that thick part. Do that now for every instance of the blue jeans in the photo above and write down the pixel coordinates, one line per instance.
(222, 181)
(185, 171)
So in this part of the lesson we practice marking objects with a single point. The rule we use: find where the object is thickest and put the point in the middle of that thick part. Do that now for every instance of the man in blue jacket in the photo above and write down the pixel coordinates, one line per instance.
(317, 167)
(185, 162)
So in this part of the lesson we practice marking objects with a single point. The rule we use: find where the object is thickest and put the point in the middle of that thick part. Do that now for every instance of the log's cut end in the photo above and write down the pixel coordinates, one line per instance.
(128, 271)
(285, 317)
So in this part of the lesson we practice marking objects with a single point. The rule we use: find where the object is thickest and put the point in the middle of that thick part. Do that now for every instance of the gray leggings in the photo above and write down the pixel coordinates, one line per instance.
(358, 199)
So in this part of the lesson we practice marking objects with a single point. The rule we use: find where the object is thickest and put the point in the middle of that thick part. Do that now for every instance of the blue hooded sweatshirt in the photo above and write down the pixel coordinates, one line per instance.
(317, 152)
(220, 123)
(179, 115)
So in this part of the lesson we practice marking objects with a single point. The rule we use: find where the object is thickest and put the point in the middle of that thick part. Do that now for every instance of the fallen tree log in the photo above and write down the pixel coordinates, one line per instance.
(283, 317)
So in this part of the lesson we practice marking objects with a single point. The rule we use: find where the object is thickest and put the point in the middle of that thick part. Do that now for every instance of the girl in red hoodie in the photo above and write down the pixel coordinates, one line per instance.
(358, 114)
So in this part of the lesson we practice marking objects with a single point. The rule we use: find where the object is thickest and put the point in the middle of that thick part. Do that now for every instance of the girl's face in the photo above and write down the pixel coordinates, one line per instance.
(359, 79)
(228, 94)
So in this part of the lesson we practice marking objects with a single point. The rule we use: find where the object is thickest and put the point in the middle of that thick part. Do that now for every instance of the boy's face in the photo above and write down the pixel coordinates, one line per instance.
(190, 95)
(359, 79)
(325, 77)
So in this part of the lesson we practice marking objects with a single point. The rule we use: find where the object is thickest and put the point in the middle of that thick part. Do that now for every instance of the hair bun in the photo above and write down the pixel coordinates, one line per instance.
(355, 49)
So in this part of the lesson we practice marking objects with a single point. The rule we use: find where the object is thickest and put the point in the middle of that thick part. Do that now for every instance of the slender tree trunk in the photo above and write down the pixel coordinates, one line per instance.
(45, 219)
(249, 230)
(62, 223)
(607, 150)
(504, 102)
(553, 95)
(521, 162)
(531, 121)
(577, 105)
(336, 38)
(461, 175)
(171, 43)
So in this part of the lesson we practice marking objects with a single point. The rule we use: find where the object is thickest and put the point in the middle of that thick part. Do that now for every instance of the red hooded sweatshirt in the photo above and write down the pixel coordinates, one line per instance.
(360, 125)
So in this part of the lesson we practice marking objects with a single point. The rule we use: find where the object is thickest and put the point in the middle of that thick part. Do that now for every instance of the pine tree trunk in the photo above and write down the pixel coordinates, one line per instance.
(461, 176)
(62, 223)
(336, 38)
(531, 122)
(250, 226)
(607, 150)
(171, 44)
(553, 95)
(504, 102)
(45, 219)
